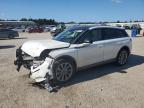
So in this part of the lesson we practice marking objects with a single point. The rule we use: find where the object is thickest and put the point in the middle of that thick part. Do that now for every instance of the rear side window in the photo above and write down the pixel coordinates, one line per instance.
(112, 33)
(123, 33)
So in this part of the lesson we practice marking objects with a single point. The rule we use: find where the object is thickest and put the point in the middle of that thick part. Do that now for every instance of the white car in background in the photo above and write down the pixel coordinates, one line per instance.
(76, 48)
(49, 28)
(19, 29)
(52, 28)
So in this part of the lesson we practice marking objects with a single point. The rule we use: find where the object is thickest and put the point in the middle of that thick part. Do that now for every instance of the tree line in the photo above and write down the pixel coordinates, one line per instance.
(37, 21)
(41, 21)
(45, 21)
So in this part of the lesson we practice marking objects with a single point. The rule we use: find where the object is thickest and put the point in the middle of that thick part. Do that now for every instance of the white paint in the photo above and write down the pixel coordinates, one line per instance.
(35, 47)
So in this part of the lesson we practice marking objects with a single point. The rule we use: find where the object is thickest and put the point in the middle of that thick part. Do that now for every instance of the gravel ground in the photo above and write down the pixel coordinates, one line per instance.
(106, 86)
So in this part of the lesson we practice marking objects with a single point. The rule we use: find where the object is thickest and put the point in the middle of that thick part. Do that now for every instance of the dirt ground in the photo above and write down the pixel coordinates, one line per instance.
(107, 86)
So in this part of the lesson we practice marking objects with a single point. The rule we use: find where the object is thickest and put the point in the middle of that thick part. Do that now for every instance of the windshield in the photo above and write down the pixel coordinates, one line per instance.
(68, 35)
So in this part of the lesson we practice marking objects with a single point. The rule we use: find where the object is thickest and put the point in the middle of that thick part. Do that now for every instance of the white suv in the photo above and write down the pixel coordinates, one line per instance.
(76, 48)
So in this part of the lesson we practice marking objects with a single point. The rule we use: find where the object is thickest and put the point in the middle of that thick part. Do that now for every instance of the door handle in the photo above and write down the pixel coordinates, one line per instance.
(119, 42)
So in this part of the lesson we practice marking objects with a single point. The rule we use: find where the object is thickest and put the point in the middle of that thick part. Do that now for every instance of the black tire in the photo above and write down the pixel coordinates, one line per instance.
(122, 57)
(61, 76)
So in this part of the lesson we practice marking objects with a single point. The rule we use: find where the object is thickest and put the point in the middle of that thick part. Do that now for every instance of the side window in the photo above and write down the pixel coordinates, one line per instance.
(96, 35)
(123, 33)
(86, 37)
(112, 33)
(91, 36)
(107, 33)
(119, 33)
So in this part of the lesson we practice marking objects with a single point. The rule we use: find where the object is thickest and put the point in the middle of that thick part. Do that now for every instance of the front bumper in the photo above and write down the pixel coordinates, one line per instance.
(39, 73)
(36, 73)
(22, 59)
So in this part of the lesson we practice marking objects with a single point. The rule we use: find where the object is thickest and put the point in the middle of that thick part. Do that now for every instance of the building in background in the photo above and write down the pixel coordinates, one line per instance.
(127, 25)
(14, 24)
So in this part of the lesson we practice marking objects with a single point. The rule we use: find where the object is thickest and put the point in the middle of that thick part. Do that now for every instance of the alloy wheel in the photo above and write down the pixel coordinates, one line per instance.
(64, 71)
(123, 56)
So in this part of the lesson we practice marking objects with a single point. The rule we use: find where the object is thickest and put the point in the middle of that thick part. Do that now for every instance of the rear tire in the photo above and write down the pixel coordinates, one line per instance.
(63, 71)
(122, 57)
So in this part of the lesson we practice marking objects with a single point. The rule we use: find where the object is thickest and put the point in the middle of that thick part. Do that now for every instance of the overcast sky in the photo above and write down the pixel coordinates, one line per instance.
(73, 10)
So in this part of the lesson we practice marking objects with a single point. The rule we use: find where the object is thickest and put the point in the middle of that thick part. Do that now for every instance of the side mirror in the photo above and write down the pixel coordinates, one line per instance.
(87, 41)
(86, 44)
(82, 45)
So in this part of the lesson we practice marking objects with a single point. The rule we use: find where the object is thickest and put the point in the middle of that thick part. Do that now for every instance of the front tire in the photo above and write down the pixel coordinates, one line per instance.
(122, 57)
(63, 71)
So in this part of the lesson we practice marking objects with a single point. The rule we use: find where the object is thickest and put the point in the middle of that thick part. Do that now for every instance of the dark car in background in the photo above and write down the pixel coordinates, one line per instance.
(7, 33)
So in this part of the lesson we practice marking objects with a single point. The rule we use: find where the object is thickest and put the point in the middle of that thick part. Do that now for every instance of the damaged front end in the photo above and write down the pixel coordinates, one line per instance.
(23, 59)
(40, 68)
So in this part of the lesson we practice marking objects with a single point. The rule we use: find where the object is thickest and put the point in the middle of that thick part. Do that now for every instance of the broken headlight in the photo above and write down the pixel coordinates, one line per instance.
(37, 62)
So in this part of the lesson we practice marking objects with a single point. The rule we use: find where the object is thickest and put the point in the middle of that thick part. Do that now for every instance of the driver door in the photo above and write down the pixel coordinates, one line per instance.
(94, 52)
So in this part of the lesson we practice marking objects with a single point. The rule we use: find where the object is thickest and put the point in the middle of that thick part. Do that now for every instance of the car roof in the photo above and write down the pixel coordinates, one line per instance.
(79, 27)
(111, 27)
(90, 27)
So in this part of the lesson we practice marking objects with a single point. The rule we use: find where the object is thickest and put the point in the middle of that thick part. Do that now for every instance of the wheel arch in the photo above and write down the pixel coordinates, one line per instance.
(67, 57)
(126, 48)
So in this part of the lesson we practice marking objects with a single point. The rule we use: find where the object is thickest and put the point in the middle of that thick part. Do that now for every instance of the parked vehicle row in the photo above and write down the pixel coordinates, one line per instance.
(50, 28)
(19, 29)
(11, 32)
(38, 29)
(35, 30)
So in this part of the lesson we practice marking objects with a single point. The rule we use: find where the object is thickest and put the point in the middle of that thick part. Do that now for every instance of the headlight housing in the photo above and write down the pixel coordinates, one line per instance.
(37, 62)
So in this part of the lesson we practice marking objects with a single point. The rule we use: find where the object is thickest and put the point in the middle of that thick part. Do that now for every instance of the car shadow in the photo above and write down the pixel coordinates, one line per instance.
(7, 46)
(99, 71)
(21, 38)
(13, 38)
(103, 70)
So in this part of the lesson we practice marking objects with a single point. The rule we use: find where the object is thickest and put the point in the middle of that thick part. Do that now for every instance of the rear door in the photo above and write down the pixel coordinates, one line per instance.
(114, 39)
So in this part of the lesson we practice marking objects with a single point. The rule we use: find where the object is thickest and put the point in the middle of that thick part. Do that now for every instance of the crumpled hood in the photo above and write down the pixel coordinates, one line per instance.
(35, 47)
